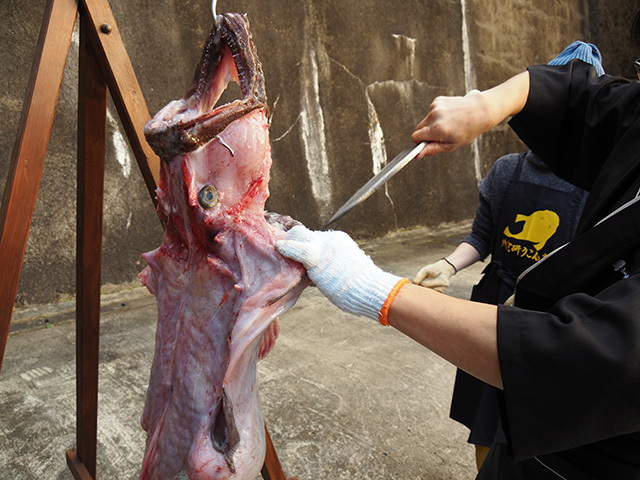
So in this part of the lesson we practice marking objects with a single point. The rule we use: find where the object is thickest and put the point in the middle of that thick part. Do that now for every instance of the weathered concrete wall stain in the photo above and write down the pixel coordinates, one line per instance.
(311, 114)
(120, 145)
(379, 157)
(469, 83)
(406, 48)
(376, 135)
(313, 129)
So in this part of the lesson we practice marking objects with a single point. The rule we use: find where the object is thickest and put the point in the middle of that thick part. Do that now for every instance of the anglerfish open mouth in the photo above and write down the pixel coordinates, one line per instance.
(187, 124)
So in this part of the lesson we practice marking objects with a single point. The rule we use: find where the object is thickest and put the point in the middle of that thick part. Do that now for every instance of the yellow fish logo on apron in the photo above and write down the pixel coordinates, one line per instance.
(538, 227)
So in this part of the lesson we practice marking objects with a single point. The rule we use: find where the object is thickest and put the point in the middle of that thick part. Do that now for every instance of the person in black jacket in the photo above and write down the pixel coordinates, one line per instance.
(525, 212)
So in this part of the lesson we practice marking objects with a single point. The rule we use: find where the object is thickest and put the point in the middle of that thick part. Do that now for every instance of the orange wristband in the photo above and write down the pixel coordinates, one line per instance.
(384, 311)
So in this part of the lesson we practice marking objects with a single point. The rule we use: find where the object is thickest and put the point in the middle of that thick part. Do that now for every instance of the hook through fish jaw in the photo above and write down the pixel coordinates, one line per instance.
(216, 22)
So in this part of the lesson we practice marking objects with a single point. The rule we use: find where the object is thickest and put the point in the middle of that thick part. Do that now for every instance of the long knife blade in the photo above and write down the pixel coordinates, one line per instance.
(390, 169)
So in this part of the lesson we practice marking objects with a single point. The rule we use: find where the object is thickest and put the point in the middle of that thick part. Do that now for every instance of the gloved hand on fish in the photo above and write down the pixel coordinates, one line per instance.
(219, 281)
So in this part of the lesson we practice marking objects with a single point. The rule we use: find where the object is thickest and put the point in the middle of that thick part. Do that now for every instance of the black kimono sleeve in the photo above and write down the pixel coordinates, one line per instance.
(572, 375)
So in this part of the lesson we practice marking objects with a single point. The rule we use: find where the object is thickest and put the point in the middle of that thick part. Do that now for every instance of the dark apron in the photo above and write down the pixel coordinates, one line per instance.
(534, 220)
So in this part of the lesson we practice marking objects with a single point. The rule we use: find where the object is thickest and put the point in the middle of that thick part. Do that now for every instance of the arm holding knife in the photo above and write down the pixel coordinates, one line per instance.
(460, 331)
(453, 122)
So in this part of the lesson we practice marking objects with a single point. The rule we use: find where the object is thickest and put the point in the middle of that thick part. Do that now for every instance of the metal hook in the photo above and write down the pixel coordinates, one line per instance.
(213, 10)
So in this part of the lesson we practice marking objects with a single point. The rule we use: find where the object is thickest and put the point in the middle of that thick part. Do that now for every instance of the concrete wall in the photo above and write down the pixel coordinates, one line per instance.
(346, 81)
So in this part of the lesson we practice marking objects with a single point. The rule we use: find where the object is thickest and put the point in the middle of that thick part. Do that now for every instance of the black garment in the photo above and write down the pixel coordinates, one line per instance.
(538, 468)
(571, 370)
(532, 221)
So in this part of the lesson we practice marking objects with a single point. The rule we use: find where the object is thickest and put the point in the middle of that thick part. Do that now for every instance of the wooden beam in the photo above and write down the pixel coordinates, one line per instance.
(92, 125)
(78, 470)
(272, 469)
(30, 149)
(123, 86)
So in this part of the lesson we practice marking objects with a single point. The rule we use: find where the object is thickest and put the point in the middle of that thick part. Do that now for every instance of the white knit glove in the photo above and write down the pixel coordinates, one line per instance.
(340, 269)
(435, 276)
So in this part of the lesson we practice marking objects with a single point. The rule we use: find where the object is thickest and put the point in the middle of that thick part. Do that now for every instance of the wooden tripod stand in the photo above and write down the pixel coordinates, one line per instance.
(103, 64)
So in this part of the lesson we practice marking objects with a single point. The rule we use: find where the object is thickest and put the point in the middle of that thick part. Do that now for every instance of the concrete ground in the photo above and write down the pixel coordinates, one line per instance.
(343, 398)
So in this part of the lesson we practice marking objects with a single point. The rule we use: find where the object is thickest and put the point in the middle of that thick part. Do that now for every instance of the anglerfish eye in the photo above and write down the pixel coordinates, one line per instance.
(208, 196)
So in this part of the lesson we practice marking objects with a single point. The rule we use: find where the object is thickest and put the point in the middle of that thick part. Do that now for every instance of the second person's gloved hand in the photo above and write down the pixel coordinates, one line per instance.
(435, 276)
(340, 270)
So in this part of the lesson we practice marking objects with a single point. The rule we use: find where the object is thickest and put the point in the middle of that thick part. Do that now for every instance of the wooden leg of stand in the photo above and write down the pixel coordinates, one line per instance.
(92, 108)
(29, 150)
(77, 468)
(271, 470)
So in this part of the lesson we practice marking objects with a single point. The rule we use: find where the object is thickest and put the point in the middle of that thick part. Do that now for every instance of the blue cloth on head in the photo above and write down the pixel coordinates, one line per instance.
(587, 52)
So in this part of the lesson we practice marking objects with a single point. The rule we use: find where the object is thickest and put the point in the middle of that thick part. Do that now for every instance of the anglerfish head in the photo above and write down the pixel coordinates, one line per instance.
(216, 159)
